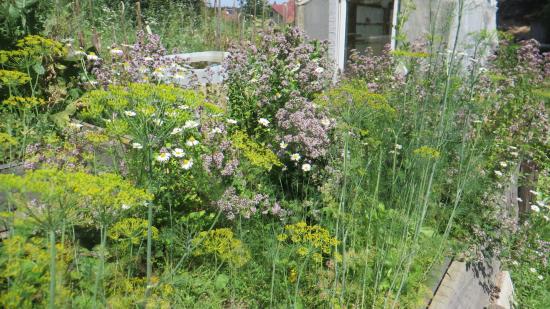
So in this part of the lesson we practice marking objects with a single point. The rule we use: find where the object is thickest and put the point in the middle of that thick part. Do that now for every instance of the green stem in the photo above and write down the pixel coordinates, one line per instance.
(149, 248)
(52, 269)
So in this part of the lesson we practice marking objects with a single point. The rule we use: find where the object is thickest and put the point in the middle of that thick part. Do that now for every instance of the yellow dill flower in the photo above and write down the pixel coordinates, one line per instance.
(7, 140)
(257, 154)
(96, 138)
(282, 237)
(313, 237)
(303, 251)
(222, 244)
(427, 152)
(131, 229)
(410, 54)
(38, 45)
(23, 102)
(13, 78)
(317, 258)
(293, 275)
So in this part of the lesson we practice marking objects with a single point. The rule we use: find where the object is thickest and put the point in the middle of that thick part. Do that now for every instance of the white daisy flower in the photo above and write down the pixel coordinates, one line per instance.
(183, 107)
(503, 164)
(190, 124)
(295, 157)
(533, 270)
(130, 113)
(283, 145)
(75, 125)
(192, 142)
(306, 167)
(92, 57)
(535, 208)
(178, 153)
(116, 52)
(187, 164)
(264, 122)
(216, 130)
(498, 173)
(231, 121)
(325, 122)
(540, 277)
(125, 206)
(176, 131)
(163, 157)
(398, 147)
(137, 146)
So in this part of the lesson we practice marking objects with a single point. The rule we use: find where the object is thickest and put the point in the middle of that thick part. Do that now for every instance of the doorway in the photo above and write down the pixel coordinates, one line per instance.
(369, 25)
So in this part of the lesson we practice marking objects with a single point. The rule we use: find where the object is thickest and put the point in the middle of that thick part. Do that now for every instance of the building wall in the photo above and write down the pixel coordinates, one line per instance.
(323, 19)
(439, 18)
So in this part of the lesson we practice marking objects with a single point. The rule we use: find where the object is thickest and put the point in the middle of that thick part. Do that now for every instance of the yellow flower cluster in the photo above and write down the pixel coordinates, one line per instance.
(128, 291)
(32, 46)
(359, 97)
(222, 244)
(141, 98)
(23, 102)
(13, 78)
(427, 152)
(96, 138)
(7, 140)
(24, 264)
(37, 45)
(257, 155)
(410, 54)
(131, 229)
(310, 238)
(89, 193)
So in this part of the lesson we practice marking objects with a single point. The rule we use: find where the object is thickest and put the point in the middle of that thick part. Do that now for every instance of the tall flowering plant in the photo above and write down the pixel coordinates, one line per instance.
(142, 62)
(271, 86)
(265, 74)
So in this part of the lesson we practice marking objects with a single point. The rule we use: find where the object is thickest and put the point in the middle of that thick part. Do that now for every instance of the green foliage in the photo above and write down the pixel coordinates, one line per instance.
(24, 272)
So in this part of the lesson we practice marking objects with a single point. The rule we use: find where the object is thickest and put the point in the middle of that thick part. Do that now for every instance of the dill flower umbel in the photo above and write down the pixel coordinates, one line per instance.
(23, 102)
(427, 152)
(13, 78)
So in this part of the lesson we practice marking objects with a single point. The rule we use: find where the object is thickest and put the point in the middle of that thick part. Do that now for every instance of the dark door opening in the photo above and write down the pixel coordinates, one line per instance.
(369, 24)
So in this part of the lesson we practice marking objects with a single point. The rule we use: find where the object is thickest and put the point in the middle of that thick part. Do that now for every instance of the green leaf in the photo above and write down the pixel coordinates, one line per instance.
(221, 281)
(426, 231)
(38, 68)
(13, 11)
